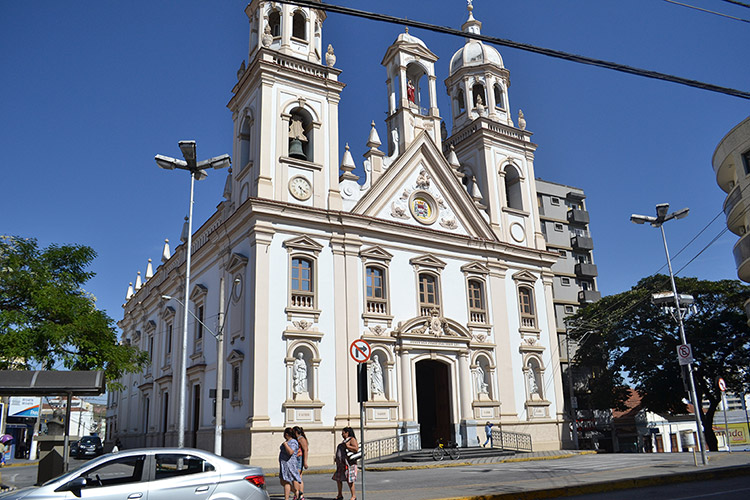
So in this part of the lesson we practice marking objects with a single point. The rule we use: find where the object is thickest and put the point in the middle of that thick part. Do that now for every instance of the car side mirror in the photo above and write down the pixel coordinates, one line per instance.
(76, 485)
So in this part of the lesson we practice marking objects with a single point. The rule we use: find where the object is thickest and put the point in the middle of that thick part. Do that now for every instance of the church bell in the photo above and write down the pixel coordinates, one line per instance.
(295, 150)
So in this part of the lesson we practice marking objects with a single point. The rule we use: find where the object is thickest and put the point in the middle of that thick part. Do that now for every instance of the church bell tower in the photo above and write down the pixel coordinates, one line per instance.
(285, 110)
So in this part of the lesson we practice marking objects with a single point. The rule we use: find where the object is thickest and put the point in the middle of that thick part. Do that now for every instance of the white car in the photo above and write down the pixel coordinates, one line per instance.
(153, 474)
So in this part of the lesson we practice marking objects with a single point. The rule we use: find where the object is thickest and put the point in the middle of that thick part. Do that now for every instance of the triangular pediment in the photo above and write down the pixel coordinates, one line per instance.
(168, 312)
(427, 260)
(235, 356)
(475, 268)
(236, 261)
(524, 276)
(376, 253)
(150, 326)
(303, 243)
(199, 291)
(420, 189)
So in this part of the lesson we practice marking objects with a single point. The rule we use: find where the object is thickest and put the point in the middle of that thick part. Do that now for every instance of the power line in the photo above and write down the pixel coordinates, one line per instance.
(522, 46)
(735, 2)
(708, 11)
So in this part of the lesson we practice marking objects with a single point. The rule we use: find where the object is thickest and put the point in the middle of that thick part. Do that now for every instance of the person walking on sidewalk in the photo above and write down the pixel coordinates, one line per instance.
(346, 470)
(288, 473)
(488, 433)
(299, 433)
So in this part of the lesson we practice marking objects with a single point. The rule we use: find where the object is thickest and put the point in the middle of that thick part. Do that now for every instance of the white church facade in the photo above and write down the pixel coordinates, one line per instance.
(436, 258)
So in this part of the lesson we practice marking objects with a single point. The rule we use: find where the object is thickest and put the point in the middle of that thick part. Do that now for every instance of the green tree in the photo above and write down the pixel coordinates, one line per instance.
(626, 335)
(47, 319)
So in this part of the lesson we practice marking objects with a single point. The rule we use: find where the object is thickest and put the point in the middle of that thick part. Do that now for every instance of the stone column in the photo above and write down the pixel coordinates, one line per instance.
(407, 410)
(464, 382)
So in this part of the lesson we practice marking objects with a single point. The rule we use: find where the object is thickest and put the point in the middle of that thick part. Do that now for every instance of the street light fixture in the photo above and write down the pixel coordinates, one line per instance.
(663, 216)
(197, 172)
(223, 310)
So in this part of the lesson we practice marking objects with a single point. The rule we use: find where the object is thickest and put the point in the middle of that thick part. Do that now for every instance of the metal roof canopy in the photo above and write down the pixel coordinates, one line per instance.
(51, 383)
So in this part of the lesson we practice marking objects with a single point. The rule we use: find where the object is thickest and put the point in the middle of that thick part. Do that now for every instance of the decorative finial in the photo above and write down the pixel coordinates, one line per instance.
(521, 120)
(166, 254)
(130, 291)
(185, 230)
(138, 283)
(407, 30)
(267, 37)
(373, 141)
(228, 186)
(149, 270)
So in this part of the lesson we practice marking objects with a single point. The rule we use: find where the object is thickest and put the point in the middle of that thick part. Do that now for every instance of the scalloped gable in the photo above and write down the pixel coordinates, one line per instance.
(303, 243)
(377, 253)
(524, 276)
(427, 260)
(422, 163)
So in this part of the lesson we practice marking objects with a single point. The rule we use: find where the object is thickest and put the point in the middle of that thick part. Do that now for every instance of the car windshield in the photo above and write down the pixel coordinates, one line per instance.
(90, 440)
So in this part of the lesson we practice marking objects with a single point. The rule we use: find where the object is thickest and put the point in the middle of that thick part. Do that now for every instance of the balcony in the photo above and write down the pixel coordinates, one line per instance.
(586, 270)
(588, 296)
(742, 258)
(735, 220)
(582, 243)
(576, 216)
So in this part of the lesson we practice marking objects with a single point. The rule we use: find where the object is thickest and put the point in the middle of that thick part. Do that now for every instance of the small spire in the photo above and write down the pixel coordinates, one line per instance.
(166, 254)
(475, 192)
(130, 291)
(138, 283)
(348, 166)
(453, 159)
(228, 186)
(149, 270)
(471, 25)
(185, 229)
(373, 142)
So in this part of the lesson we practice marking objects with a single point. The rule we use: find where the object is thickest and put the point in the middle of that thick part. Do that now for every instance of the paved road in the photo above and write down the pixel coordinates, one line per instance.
(516, 478)
(737, 488)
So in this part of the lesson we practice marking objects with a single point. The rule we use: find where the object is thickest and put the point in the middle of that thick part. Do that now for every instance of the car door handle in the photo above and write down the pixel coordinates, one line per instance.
(135, 495)
(201, 489)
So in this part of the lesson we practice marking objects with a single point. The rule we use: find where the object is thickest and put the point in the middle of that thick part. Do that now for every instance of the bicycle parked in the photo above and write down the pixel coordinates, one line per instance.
(450, 448)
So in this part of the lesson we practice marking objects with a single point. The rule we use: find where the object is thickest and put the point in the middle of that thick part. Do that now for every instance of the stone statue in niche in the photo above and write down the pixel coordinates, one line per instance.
(299, 374)
(377, 387)
(410, 92)
(533, 384)
(480, 381)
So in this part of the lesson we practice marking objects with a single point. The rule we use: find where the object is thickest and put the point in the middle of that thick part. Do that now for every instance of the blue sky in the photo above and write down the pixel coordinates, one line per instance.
(92, 90)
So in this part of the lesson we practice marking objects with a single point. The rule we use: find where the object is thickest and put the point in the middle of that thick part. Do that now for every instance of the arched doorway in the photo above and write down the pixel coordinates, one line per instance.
(433, 402)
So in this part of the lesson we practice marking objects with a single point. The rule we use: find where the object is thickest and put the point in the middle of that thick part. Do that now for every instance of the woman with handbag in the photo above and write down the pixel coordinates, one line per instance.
(288, 473)
(347, 454)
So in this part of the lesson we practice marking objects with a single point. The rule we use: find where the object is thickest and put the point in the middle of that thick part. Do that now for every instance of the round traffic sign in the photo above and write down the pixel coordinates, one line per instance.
(722, 385)
(360, 350)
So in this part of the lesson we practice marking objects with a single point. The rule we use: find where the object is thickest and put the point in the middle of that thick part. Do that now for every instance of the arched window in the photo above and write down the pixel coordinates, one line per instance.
(415, 79)
(377, 295)
(274, 22)
(300, 135)
(477, 308)
(526, 305)
(513, 188)
(477, 92)
(429, 293)
(460, 102)
(499, 100)
(299, 26)
(245, 136)
(302, 283)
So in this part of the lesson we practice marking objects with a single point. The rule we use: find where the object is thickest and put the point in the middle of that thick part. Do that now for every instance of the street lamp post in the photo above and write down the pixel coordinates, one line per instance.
(663, 216)
(219, 427)
(197, 172)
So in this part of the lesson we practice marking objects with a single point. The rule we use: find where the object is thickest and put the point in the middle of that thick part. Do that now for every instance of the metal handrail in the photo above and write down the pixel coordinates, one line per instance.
(398, 444)
(506, 440)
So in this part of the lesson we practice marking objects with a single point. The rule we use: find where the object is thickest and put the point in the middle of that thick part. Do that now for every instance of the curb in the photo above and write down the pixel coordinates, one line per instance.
(616, 485)
(16, 464)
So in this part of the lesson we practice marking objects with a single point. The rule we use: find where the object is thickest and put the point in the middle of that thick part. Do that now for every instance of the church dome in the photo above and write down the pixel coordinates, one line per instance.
(407, 38)
(475, 53)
